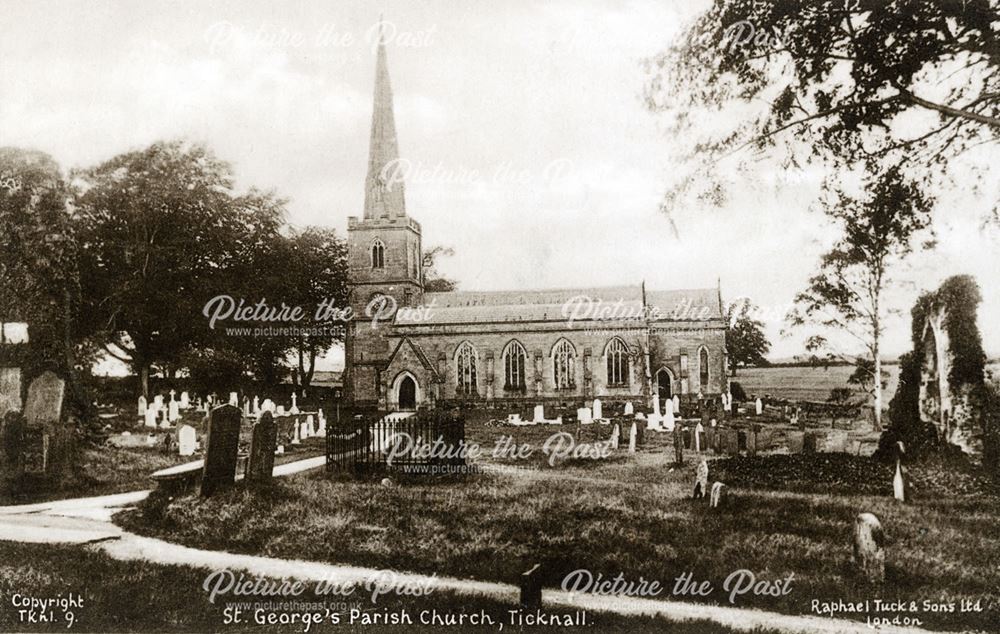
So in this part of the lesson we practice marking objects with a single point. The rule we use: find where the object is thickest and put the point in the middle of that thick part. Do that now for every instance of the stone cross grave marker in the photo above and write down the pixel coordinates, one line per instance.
(263, 444)
(187, 440)
(223, 445)
(869, 557)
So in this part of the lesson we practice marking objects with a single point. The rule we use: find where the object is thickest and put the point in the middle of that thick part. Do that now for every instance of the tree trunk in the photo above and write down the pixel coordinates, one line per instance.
(144, 378)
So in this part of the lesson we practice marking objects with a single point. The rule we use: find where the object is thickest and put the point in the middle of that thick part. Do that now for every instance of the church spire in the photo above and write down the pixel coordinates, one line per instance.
(383, 185)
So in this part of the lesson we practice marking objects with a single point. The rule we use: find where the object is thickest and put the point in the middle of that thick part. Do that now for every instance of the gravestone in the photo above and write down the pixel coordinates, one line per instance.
(751, 443)
(677, 405)
(759, 405)
(150, 416)
(222, 446)
(539, 414)
(187, 440)
(44, 404)
(598, 408)
(141, 407)
(173, 411)
(869, 556)
(12, 437)
(640, 431)
(710, 438)
(615, 436)
(263, 444)
(295, 405)
(668, 418)
(267, 406)
(234, 399)
(34, 450)
(584, 416)
(295, 431)
(531, 589)
(701, 480)
(718, 495)
(699, 431)
(185, 400)
(629, 410)
(678, 445)
(10, 390)
(631, 438)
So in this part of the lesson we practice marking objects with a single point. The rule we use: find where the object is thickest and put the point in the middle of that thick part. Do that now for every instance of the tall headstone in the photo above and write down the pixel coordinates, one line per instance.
(158, 402)
(141, 407)
(869, 556)
(678, 445)
(759, 405)
(629, 410)
(598, 408)
(631, 438)
(45, 398)
(151, 415)
(701, 480)
(677, 405)
(539, 414)
(263, 444)
(10, 390)
(42, 412)
(615, 436)
(222, 447)
(187, 440)
(185, 400)
(234, 399)
(699, 429)
(256, 406)
(173, 409)
(668, 420)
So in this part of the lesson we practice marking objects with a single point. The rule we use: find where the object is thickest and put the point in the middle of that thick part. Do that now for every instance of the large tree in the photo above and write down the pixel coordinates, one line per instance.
(915, 81)
(746, 343)
(38, 277)
(155, 227)
(877, 228)
(434, 282)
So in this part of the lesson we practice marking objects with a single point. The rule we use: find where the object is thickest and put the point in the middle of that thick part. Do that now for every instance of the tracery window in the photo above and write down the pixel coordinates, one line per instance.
(466, 368)
(618, 362)
(514, 362)
(378, 254)
(564, 365)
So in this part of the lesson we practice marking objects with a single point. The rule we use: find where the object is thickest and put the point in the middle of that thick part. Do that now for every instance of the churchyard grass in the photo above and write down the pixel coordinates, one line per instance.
(629, 514)
(120, 596)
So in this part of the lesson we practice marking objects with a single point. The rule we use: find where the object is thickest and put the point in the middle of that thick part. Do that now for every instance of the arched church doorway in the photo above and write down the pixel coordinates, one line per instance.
(407, 394)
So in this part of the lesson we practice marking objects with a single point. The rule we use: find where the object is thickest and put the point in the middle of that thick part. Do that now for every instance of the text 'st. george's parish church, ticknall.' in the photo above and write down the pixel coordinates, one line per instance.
(518, 347)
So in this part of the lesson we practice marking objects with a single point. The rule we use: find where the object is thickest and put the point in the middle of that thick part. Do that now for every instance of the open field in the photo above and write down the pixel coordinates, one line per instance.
(118, 596)
(814, 383)
(629, 514)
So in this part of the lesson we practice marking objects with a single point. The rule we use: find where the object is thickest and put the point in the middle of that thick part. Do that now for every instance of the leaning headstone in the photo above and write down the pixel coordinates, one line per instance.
(187, 440)
(631, 438)
(718, 495)
(221, 450)
(701, 480)
(869, 557)
(263, 444)
(141, 407)
(531, 589)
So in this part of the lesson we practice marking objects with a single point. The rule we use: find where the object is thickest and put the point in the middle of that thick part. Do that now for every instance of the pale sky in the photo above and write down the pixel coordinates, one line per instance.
(533, 155)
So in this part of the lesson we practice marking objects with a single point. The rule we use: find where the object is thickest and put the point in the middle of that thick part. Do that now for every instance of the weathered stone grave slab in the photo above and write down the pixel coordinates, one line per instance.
(796, 441)
(263, 444)
(222, 447)
(10, 390)
(44, 403)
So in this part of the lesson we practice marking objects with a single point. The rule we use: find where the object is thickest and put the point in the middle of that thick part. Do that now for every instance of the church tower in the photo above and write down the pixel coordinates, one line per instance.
(384, 250)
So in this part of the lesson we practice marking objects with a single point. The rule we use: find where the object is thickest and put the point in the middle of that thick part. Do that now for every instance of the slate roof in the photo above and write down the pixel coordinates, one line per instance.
(550, 305)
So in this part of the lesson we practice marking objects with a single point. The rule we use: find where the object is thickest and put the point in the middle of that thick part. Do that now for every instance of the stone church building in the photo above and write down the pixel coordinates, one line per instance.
(406, 348)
